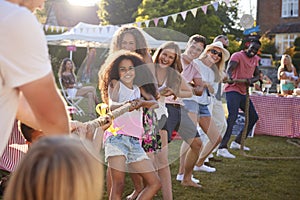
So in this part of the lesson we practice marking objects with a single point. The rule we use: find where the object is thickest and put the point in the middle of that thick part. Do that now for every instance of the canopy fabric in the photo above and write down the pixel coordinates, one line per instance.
(89, 35)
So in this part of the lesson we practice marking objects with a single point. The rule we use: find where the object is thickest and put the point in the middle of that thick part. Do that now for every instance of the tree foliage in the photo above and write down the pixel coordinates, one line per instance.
(209, 25)
(117, 12)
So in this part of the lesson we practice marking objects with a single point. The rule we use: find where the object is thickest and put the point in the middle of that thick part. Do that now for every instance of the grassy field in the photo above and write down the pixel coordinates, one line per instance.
(243, 177)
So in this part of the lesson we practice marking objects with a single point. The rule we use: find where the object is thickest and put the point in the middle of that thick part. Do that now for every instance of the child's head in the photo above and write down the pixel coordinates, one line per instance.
(57, 167)
(125, 66)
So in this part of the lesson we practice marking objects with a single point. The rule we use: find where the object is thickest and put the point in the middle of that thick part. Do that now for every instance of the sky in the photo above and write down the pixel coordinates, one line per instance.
(245, 6)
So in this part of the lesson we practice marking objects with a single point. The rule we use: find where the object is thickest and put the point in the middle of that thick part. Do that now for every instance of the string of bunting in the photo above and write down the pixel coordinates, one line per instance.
(155, 20)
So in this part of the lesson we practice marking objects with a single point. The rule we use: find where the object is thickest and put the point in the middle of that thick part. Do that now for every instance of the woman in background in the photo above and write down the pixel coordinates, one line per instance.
(67, 75)
(287, 75)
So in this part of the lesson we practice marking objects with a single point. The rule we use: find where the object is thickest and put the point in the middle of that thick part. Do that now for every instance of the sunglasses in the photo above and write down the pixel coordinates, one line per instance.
(215, 52)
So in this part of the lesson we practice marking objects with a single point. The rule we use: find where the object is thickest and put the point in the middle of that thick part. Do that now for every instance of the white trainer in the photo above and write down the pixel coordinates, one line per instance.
(235, 145)
(204, 168)
(225, 153)
(179, 177)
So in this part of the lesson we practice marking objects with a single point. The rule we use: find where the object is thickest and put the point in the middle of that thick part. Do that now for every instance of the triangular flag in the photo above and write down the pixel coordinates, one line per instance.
(46, 27)
(204, 8)
(139, 24)
(108, 28)
(227, 2)
(165, 19)
(183, 14)
(155, 21)
(215, 5)
(194, 11)
(147, 23)
(52, 28)
(174, 17)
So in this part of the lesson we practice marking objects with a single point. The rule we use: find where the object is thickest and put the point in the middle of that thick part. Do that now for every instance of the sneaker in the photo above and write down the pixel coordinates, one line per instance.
(204, 168)
(179, 177)
(235, 145)
(225, 153)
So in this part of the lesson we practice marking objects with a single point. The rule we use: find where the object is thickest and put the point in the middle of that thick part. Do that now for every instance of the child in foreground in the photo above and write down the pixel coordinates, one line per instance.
(120, 84)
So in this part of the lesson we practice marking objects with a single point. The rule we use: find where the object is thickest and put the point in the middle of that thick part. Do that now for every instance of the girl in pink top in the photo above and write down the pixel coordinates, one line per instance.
(119, 84)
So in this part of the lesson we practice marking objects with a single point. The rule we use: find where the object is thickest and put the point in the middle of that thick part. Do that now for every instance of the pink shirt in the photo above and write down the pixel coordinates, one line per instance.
(244, 70)
(190, 71)
(129, 123)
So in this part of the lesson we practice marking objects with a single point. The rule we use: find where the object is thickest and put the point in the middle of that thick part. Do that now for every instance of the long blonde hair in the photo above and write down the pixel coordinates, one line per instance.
(60, 168)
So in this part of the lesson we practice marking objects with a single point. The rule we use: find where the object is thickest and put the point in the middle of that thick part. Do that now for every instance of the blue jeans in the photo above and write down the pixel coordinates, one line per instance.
(235, 101)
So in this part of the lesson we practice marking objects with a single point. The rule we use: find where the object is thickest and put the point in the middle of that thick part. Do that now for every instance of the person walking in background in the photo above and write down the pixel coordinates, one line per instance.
(119, 84)
(60, 168)
(287, 74)
(68, 78)
(28, 91)
(242, 65)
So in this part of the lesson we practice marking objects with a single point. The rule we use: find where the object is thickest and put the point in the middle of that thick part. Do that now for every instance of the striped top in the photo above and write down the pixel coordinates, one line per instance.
(14, 150)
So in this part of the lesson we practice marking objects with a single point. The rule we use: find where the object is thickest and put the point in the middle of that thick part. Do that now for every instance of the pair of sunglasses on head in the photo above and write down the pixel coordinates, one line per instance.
(215, 52)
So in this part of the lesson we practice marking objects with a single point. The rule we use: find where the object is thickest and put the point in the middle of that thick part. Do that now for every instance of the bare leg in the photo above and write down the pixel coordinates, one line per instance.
(163, 169)
(209, 127)
(190, 161)
(138, 186)
(152, 183)
(117, 174)
(88, 92)
(183, 150)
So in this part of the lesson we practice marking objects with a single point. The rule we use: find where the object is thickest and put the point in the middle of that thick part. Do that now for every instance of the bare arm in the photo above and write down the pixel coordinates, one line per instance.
(255, 76)
(185, 90)
(231, 66)
(44, 107)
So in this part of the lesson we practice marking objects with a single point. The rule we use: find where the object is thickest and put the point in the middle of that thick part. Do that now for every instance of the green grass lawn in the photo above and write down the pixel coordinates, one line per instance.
(240, 178)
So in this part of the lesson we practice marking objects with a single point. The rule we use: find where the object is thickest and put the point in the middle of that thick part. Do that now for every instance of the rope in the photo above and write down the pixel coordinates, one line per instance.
(244, 133)
(88, 128)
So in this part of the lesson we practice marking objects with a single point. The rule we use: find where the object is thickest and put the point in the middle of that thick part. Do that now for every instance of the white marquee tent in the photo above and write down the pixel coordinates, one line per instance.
(84, 35)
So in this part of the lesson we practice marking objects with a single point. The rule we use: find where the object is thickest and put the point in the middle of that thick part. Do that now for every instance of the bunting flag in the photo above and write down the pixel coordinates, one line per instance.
(194, 11)
(216, 5)
(165, 19)
(183, 15)
(155, 21)
(204, 9)
(147, 22)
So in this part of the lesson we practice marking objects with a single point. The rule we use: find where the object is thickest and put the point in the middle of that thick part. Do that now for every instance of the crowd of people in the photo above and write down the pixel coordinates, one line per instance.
(169, 91)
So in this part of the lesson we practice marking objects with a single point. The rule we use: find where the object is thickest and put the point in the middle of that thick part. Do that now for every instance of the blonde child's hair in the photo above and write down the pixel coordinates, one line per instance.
(60, 168)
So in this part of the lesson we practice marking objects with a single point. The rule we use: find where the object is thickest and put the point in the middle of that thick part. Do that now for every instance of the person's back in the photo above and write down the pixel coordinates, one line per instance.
(60, 168)
(25, 68)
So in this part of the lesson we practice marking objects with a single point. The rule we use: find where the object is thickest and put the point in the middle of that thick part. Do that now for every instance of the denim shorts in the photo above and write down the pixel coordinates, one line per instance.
(193, 106)
(124, 145)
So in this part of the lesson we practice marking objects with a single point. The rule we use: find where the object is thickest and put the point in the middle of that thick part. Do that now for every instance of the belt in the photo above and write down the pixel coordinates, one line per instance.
(175, 105)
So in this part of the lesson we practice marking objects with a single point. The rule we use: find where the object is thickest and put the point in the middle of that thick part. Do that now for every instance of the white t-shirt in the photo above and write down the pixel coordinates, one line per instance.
(208, 76)
(23, 59)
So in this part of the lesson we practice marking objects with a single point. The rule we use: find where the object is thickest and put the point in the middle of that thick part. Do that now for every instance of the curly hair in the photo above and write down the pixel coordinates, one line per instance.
(110, 71)
(141, 44)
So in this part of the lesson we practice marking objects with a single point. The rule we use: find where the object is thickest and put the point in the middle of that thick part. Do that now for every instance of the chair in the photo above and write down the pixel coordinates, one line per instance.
(72, 100)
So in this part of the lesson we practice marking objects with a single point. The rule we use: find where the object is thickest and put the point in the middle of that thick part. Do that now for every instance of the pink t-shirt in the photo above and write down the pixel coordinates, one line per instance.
(190, 71)
(244, 70)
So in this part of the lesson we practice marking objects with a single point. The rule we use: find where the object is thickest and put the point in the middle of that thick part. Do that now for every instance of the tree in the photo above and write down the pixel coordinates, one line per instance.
(296, 54)
(117, 12)
(209, 25)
